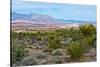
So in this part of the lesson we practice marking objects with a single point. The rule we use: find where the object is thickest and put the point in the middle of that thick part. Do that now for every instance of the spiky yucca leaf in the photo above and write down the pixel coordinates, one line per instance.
(90, 40)
(89, 33)
(75, 50)
(87, 29)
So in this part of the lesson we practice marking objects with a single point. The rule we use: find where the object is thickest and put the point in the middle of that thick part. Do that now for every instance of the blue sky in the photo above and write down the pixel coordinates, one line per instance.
(56, 10)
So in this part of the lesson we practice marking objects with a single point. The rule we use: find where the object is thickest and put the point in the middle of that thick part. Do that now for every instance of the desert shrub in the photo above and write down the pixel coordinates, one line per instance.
(87, 29)
(75, 50)
(14, 35)
(18, 53)
(58, 52)
(41, 56)
(39, 38)
(27, 61)
(89, 33)
(54, 44)
(21, 35)
(57, 60)
(90, 41)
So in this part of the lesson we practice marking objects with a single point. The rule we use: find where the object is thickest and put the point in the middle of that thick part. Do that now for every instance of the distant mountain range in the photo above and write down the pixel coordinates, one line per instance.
(33, 17)
(41, 22)
(39, 18)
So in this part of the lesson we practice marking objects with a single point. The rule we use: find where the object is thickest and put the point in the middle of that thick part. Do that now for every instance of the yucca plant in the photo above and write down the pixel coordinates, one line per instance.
(87, 29)
(90, 40)
(89, 33)
(75, 50)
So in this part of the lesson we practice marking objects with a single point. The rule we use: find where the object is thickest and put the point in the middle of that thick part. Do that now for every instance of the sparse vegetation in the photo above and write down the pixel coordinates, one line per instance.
(75, 42)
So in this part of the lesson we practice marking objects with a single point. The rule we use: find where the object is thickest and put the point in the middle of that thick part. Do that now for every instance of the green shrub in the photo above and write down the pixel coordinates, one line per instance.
(89, 33)
(54, 44)
(87, 29)
(18, 53)
(75, 50)
(90, 41)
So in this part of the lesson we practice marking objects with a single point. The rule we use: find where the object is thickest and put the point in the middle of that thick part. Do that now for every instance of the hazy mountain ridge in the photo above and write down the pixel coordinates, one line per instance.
(41, 18)
(38, 21)
(33, 17)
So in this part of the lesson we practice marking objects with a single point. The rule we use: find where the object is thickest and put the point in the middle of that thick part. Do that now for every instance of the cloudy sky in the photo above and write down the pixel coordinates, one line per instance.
(56, 10)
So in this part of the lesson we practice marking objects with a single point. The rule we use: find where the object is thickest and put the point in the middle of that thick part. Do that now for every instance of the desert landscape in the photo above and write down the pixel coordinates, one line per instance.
(38, 39)
(52, 43)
